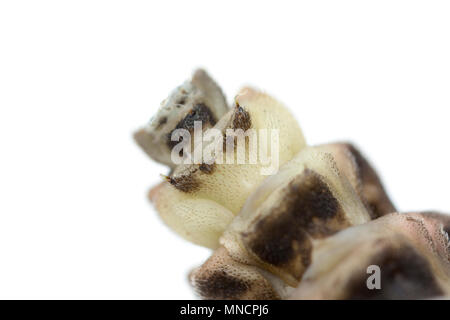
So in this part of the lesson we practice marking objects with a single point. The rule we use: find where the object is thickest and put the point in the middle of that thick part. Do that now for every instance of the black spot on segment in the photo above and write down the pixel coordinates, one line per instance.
(241, 119)
(282, 244)
(310, 204)
(185, 183)
(188, 182)
(220, 285)
(314, 205)
(308, 208)
(405, 274)
(200, 112)
(207, 168)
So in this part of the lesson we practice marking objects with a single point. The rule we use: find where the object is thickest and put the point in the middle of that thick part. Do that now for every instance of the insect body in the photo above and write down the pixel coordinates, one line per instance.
(309, 229)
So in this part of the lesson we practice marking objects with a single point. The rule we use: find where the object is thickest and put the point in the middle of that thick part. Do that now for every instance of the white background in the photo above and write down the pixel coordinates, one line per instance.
(78, 77)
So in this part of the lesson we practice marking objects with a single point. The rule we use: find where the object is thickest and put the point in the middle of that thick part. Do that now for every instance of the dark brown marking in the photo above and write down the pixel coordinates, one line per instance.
(207, 168)
(241, 119)
(184, 183)
(314, 204)
(220, 285)
(377, 202)
(405, 274)
(308, 208)
(282, 243)
(311, 204)
(199, 112)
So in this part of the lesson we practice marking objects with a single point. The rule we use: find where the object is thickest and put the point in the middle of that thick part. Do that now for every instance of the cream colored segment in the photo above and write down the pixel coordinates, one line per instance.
(268, 113)
(198, 220)
(231, 184)
(270, 192)
(224, 189)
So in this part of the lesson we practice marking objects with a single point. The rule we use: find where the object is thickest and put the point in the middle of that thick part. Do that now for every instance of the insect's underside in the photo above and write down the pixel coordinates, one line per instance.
(308, 232)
